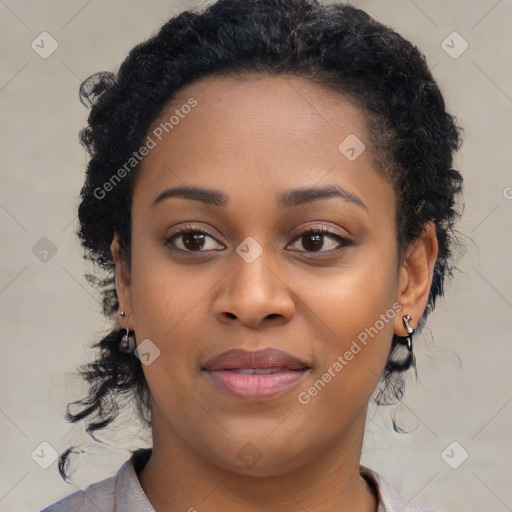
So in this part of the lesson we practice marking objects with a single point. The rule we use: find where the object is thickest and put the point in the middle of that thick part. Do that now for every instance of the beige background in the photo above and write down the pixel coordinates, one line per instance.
(49, 315)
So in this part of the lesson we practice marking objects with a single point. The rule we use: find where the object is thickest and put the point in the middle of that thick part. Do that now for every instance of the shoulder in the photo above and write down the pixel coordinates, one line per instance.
(121, 492)
(389, 500)
(97, 496)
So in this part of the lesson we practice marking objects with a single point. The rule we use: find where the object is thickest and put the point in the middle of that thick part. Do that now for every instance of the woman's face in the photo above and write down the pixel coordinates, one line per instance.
(261, 341)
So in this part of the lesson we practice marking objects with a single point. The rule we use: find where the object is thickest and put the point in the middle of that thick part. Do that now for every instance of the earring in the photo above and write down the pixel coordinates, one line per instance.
(127, 343)
(406, 319)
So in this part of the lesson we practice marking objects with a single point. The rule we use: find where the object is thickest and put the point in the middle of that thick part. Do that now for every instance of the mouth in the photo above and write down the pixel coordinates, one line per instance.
(257, 375)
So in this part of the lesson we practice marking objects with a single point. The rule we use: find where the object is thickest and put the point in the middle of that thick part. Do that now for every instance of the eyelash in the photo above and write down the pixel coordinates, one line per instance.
(344, 242)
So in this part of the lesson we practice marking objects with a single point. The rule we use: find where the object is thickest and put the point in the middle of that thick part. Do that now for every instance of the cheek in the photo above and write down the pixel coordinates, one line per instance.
(168, 307)
(168, 310)
(353, 298)
(355, 311)
(164, 294)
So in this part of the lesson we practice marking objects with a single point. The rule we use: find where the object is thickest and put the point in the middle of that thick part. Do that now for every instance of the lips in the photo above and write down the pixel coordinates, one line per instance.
(269, 358)
(255, 375)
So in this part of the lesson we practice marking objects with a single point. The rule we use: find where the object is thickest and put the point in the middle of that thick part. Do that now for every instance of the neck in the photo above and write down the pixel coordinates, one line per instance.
(178, 478)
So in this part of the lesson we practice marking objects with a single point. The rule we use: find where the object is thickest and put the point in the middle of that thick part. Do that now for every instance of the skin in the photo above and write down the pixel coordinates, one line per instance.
(253, 138)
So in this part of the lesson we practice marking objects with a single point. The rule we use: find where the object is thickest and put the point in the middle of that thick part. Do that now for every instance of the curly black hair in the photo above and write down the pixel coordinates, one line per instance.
(336, 46)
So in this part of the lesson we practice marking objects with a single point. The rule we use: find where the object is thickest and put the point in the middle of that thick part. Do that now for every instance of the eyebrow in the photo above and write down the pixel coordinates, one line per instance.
(290, 199)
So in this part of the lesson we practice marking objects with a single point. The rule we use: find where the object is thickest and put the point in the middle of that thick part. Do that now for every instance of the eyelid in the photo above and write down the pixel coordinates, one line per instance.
(326, 229)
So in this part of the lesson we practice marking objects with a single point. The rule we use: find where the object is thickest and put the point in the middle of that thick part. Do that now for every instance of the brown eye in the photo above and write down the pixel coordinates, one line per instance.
(314, 240)
(192, 240)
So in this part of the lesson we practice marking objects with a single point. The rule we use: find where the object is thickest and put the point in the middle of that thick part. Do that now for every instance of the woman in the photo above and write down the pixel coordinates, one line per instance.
(271, 185)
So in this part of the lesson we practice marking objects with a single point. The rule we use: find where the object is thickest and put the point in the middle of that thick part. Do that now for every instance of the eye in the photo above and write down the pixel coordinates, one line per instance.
(313, 240)
(196, 240)
(192, 240)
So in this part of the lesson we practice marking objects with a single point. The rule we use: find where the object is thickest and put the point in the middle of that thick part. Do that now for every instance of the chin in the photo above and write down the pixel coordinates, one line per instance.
(260, 458)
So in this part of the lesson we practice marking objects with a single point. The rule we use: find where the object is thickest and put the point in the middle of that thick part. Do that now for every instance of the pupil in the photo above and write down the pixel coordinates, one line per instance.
(195, 237)
(317, 242)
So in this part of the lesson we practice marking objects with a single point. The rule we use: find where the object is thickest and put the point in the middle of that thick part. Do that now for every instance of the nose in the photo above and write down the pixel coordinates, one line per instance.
(254, 294)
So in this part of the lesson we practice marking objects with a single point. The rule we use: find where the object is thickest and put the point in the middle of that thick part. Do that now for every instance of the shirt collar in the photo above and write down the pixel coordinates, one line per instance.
(129, 495)
(389, 500)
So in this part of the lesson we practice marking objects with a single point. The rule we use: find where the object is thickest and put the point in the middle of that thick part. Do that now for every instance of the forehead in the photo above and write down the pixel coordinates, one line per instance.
(260, 133)
(276, 104)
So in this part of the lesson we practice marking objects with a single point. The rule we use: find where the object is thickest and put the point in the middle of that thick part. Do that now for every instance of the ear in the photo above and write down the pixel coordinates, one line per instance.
(123, 289)
(415, 278)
